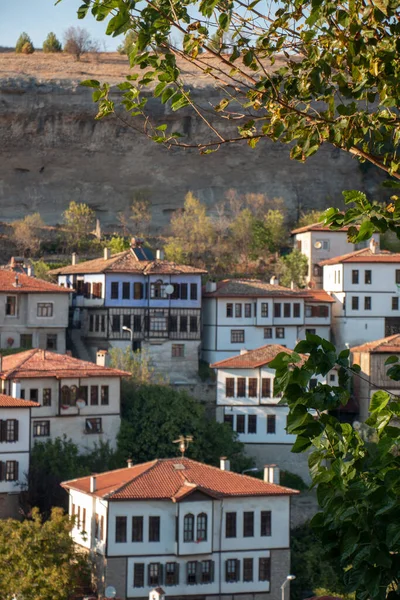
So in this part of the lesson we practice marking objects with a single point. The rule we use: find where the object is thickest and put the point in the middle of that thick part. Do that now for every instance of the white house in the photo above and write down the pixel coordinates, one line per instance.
(75, 398)
(366, 288)
(248, 313)
(132, 299)
(33, 312)
(15, 448)
(193, 529)
(318, 243)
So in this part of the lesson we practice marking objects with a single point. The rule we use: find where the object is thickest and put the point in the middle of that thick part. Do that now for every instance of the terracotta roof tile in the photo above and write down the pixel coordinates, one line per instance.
(26, 284)
(390, 344)
(363, 256)
(252, 359)
(10, 402)
(316, 227)
(41, 363)
(317, 296)
(251, 287)
(160, 479)
(126, 262)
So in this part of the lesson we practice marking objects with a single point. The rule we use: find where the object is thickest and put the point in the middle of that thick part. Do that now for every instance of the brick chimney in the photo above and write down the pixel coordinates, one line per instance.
(271, 474)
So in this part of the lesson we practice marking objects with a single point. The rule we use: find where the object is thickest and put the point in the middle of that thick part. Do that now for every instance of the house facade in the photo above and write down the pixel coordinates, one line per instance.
(366, 288)
(33, 312)
(15, 445)
(194, 530)
(320, 243)
(74, 398)
(131, 299)
(249, 313)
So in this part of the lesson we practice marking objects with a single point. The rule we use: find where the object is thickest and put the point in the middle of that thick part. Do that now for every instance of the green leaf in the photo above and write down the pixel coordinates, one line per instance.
(391, 360)
(301, 444)
(378, 401)
(90, 83)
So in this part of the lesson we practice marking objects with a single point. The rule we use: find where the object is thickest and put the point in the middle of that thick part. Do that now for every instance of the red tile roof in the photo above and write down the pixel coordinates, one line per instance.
(252, 359)
(161, 479)
(126, 262)
(10, 402)
(363, 256)
(390, 344)
(19, 283)
(317, 227)
(42, 363)
(317, 296)
(251, 287)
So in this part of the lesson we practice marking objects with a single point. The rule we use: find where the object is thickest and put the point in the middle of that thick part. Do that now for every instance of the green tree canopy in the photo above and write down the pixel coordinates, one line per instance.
(79, 221)
(24, 44)
(128, 44)
(51, 43)
(28, 234)
(292, 268)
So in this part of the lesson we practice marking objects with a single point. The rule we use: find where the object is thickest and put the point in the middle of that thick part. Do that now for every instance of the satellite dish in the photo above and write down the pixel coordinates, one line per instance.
(169, 289)
(318, 245)
(110, 591)
(80, 404)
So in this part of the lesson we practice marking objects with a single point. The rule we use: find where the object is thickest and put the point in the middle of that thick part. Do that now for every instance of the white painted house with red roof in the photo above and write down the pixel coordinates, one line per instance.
(249, 313)
(15, 445)
(192, 529)
(33, 312)
(75, 398)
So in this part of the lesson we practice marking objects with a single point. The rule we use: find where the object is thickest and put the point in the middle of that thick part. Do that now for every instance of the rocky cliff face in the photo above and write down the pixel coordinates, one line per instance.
(53, 151)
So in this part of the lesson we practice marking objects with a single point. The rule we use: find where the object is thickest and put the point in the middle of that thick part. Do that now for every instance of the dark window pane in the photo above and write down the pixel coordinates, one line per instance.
(271, 424)
(252, 424)
(154, 529)
(229, 387)
(240, 423)
(114, 290)
(137, 529)
(120, 529)
(126, 289)
(265, 522)
(248, 524)
(230, 525)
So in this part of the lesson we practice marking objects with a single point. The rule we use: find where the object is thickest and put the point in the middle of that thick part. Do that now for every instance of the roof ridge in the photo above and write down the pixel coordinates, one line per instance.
(32, 352)
(151, 466)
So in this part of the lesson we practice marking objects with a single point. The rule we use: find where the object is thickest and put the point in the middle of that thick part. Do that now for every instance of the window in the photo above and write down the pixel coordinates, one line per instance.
(173, 323)
(247, 310)
(368, 276)
(296, 310)
(137, 323)
(25, 340)
(367, 303)
(154, 574)
(238, 311)
(267, 333)
(114, 290)
(247, 569)
(232, 570)
(44, 309)
(51, 341)
(229, 387)
(137, 290)
(248, 524)
(97, 290)
(193, 324)
(83, 522)
(311, 331)
(230, 525)
(266, 387)
(271, 424)
(184, 291)
(355, 276)
(157, 290)
(277, 309)
(253, 385)
(126, 321)
(154, 529)
(116, 323)
(264, 569)
(93, 426)
(79, 287)
(241, 387)
(265, 523)
(73, 395)
(252, 424)
(46, 397)
(354, 302)
(397, 275)
(286, 310)
(9, 430)
(91, 322)
(229, 310)
(183, 324)
(65, 396)
(126, 290)
(193, 291)
(104, 395)
(137, 529)
(23, 394)
(207, 571)
(188, 528)
(240, 423)
(138, 575)
(237, 336)
(395, 303)
(120, 530)
(11, 306)
(171, 573)
(280, 332)
(332, 377)
(264, 309)
(94, 395)
(191, 571)
(229, 420)
(11, 470)
(317, 271)
(176, 292)
(201, 532)
(313, 383)
(96, 523)
(178, 350)
(34, 395)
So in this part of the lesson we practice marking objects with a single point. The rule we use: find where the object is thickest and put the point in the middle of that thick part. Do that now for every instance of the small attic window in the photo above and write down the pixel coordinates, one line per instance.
(179, 467)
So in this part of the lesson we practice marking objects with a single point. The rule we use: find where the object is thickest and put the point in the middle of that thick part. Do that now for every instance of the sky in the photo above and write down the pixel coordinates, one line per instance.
(39, 17)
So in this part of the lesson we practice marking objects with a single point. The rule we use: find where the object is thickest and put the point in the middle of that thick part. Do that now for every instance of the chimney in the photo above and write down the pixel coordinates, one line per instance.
(16, 388)
(271, 474)
(243, 351)
(224, 464)
(211, 286)
(160, 254)
(374, 246)
(107, 253)
(92, 484)
(129, 462)
(29, 270)
(292, 286)
(74, 258)
(101, 358)
(274, 280)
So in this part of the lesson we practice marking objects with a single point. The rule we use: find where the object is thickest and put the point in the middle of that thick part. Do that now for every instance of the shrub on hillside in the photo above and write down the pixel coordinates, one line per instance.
(77, 41)
(51, 43)
(24, 44)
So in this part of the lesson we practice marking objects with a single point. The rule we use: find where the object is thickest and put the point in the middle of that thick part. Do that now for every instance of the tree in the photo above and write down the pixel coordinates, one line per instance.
(38, 560)
(139, 364)
(277, 233)
(78, 41)
(27, 234)
(153, 408)
(128, 44)
(24, 44)
(309, 218)
(80, 221)
(292, 268)
(51, 43)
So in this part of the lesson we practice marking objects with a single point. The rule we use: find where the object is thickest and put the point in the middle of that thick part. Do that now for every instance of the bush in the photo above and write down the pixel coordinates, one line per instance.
(51, 43)
(78, 41)
(24, 44)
